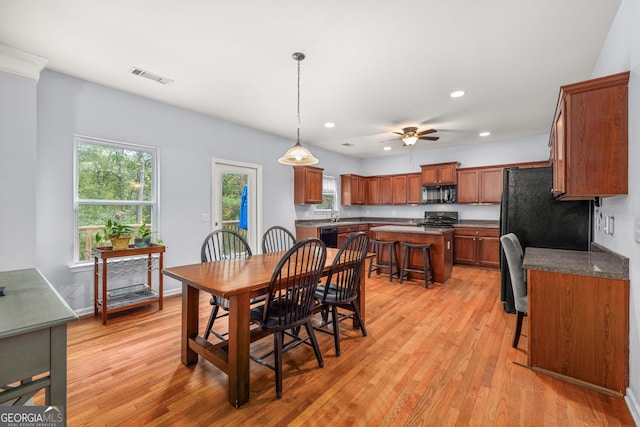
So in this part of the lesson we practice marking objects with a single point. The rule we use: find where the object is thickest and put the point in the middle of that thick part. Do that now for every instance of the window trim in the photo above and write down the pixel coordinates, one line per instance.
(155, 182)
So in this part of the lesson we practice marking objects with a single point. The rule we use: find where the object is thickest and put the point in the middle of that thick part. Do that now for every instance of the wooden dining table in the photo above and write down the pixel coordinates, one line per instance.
(237, 280)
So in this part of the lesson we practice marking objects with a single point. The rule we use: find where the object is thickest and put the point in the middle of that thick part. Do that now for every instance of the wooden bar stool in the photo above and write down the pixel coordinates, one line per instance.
(377, 247)
(426, 270)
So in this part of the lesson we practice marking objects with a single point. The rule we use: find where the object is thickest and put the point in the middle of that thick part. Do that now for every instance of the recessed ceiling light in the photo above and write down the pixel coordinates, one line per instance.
(485, 133)
(387, 148)
(457, 94)
(329, 125)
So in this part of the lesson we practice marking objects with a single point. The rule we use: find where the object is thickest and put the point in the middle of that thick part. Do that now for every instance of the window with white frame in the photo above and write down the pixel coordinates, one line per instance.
(329, 195)
(112, 178)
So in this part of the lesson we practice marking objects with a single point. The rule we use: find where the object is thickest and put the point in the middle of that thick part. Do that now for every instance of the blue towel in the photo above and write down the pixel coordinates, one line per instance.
(244, 211)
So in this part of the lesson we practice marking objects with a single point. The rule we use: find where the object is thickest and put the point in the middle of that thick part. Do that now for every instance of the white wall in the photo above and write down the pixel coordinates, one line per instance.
(530, 149)
(18, 172)
(621, 52)
(187, 142)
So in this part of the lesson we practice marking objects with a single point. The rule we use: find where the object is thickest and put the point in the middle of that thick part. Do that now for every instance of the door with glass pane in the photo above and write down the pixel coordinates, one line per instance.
(235, 199)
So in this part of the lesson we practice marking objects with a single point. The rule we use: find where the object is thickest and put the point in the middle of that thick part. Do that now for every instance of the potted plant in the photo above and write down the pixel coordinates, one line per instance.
(119, 234)
(143, 236)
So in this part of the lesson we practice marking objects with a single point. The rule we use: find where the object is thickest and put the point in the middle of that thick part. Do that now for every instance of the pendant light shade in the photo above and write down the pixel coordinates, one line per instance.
(298, 155)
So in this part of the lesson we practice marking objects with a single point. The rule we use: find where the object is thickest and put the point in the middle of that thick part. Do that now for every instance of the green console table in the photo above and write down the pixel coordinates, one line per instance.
(33, 339)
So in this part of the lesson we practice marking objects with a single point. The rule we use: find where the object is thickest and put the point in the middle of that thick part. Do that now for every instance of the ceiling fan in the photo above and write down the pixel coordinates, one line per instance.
(410, 135)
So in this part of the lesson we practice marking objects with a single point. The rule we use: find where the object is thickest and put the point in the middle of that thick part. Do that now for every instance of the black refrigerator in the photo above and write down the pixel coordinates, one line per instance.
(530, 212)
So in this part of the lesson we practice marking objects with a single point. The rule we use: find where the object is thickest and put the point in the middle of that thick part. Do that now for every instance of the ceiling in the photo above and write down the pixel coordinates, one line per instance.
(371, 67)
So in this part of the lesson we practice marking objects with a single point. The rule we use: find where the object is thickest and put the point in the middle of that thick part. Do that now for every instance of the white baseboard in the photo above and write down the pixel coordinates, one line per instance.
(633, 405)
(89, 310)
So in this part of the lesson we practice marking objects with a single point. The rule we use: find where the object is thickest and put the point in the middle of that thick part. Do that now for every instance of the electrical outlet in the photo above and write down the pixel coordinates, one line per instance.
(204, 217)
(611, 225)
(636, 232)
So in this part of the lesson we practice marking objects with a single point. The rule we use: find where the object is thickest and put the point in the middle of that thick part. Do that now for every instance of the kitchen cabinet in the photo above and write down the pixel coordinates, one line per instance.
(379, 190)
(480, 185)
(414, 188)
(344, 232)
(479, 247)
(399, 189)
(589, 147)
(439, 174)
(307, 185)
(578, 311)
(353, 190)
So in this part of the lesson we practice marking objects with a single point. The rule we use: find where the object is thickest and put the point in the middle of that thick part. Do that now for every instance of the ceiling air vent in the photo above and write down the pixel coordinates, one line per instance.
(347, 144)
(151, 76)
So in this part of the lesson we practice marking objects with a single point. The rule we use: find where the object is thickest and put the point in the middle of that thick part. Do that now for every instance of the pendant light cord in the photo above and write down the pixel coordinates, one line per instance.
(299, 121)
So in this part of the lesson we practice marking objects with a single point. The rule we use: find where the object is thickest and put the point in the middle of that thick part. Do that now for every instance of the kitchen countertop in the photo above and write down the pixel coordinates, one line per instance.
(412, 229)
(410, 222)
(599, 262)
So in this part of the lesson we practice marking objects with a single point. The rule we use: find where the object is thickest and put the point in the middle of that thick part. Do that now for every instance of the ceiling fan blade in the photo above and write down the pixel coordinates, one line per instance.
(398, 133)
(430, 138)
(427, 132)
(389, 140)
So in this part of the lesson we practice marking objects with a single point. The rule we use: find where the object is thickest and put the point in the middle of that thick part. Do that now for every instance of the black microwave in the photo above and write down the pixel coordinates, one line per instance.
(439, 194)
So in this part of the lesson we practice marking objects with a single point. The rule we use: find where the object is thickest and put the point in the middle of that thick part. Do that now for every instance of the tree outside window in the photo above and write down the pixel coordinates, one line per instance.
(112, 178)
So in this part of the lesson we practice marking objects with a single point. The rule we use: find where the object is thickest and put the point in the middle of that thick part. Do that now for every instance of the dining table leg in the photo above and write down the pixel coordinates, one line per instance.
(360, 299)
(190, 314)
(238, 350)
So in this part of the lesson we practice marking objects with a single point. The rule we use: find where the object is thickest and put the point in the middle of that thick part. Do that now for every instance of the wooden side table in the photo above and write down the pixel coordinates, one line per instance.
(115, 300)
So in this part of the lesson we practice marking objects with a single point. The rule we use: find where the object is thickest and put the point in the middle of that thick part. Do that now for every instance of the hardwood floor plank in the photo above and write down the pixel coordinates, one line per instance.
(436, 357)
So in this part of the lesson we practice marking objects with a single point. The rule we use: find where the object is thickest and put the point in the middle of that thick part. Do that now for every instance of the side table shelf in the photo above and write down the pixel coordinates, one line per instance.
(107, 300)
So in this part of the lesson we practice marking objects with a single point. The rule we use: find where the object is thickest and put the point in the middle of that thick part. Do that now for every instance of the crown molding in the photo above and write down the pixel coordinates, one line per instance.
(21, 63)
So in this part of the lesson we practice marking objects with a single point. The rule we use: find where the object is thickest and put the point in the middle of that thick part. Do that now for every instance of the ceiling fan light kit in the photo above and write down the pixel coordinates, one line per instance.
(298, 155)
(410, 135)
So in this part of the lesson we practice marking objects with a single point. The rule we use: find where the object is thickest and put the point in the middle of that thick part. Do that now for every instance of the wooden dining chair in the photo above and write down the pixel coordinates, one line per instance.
(341, 287)
(219, 245)
(290, 301)
(277, 239)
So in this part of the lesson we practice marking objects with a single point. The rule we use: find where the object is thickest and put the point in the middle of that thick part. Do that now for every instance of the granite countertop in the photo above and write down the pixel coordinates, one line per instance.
(412, 229)
(599, 262)
(411, 222)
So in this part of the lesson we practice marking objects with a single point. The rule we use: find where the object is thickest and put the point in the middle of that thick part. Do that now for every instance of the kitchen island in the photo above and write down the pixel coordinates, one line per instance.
(440, 239)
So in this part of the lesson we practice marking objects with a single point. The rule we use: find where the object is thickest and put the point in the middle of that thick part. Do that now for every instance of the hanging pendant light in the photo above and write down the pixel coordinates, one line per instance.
(298, 155)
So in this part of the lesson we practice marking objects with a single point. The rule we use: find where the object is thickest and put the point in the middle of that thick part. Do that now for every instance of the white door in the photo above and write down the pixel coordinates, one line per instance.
(237, 199)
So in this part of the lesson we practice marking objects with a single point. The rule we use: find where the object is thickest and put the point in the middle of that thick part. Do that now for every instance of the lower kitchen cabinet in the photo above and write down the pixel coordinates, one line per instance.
(479, 247)
(344, 232)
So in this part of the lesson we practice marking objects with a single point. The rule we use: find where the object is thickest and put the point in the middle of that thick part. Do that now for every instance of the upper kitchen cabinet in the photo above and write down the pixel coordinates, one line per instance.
(307, 185)
(589, 139)
(480, 185)
(439, 174)
(414, 188)
(353, 190)
(399, 191)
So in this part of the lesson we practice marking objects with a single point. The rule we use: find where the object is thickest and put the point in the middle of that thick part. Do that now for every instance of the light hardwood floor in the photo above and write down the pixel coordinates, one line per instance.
(436, 357)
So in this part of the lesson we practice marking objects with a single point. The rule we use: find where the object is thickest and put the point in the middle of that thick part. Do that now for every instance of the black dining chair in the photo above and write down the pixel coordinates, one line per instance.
(290, 301)
(277, 239)
(341, 287)
(219, 245)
